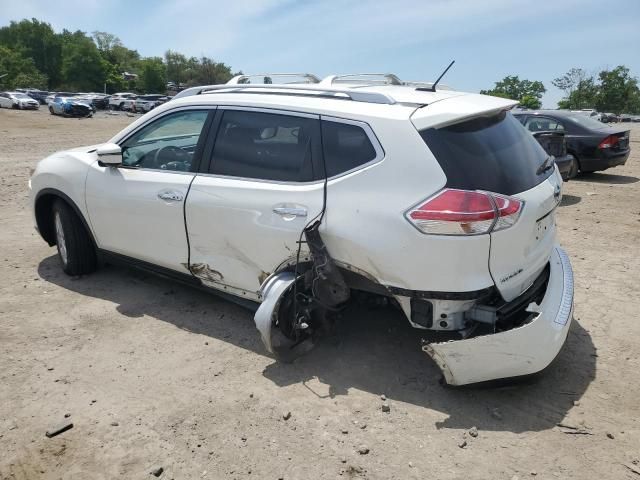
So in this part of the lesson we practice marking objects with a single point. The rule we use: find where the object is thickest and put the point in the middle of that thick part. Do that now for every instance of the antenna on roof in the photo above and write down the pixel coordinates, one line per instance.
(433, 87)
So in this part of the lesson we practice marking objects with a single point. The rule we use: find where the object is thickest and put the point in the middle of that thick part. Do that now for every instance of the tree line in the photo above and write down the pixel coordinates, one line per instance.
(32, 54)
(612, 91)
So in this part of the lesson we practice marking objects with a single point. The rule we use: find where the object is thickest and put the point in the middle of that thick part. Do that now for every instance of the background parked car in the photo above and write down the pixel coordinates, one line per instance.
(121, 101)
(70, 107)
(145, 103)
(18, 100)
(594, 145)
(98, 100)
(39, 95)
(555, 144)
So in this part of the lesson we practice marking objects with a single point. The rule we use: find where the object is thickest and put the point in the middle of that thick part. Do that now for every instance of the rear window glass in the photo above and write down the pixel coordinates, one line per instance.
(346, 147)
(587, 122)
(488, 153)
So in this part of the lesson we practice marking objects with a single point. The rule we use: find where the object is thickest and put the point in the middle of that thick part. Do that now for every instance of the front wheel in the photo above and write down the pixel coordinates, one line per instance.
(51, 110)
(75, 248)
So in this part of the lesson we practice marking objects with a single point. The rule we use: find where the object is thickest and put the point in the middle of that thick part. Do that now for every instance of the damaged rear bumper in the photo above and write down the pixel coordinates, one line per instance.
(520, 351)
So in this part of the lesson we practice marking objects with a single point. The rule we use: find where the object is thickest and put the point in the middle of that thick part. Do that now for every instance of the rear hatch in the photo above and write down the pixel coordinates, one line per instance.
(493, 152)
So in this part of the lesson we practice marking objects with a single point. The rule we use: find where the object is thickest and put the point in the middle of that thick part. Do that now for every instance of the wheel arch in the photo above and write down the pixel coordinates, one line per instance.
(43, 209)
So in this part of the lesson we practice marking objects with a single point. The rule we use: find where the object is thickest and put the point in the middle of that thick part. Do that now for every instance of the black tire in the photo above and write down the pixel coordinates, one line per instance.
(574, 169)
(51, 110)
(75, 248)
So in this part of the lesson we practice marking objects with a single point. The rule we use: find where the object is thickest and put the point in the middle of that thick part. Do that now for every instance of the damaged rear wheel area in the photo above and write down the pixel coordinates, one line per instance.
(300, 305)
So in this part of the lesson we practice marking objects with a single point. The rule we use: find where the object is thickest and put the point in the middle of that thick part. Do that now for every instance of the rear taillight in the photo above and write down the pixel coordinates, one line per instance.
(464, 212)
(609, 142)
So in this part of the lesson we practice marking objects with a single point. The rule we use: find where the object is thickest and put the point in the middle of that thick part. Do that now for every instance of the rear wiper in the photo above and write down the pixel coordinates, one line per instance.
(546, 165)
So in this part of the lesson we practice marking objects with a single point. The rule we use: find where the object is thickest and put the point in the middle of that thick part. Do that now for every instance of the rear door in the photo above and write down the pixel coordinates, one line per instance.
(263, 184)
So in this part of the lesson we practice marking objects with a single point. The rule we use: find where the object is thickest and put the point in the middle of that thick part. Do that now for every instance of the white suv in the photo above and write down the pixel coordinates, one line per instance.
(290, 198)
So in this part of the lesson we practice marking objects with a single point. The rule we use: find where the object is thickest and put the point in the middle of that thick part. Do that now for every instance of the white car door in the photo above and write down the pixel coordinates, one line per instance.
(137, 209)
(264, 183)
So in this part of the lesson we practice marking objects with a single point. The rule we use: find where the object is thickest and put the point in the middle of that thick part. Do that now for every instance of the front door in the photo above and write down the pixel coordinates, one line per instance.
(137, 209)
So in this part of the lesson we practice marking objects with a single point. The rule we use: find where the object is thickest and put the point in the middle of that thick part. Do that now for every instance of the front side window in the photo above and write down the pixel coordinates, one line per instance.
(345, 147)
(543, 124)
(169, 143)
(266, 146)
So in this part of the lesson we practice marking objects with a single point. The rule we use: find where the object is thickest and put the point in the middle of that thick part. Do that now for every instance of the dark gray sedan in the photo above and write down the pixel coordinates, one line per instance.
(594, 145)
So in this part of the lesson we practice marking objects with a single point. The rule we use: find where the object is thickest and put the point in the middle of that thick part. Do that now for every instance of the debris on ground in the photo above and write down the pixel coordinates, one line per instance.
(473, 431)
(610, 435)
(58, 429)
(462, 444)
(156, 472)
(363, 449)
(633, 468)
(386, 408)
(286, 415)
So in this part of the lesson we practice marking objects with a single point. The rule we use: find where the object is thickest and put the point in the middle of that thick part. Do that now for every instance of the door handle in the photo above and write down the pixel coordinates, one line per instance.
(290, 211)
(171, 196)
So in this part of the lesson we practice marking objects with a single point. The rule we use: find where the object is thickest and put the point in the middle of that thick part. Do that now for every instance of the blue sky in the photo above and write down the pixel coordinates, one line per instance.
(537, 40)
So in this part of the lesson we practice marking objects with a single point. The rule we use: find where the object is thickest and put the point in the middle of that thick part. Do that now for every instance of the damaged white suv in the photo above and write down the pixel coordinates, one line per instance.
(292, 197)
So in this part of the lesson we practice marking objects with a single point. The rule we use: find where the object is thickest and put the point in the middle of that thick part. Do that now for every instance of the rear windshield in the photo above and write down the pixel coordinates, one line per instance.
(587, 122)
(488, 153)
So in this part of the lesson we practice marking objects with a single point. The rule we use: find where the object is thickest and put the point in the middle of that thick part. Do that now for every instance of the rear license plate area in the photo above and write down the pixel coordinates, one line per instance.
(545, 225)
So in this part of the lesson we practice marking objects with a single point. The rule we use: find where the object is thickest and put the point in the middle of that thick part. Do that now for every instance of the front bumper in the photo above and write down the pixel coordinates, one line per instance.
(521, 351)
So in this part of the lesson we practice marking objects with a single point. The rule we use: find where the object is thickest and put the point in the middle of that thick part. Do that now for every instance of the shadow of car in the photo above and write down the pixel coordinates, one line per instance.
(362, 355)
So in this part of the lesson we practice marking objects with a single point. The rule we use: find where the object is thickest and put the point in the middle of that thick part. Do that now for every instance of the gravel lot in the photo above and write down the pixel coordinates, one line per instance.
(154, 374)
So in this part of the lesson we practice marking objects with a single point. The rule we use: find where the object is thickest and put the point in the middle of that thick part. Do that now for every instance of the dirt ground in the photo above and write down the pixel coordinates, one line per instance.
(153, 374)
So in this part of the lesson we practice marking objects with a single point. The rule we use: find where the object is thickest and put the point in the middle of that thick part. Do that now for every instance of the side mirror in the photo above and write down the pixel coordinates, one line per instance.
(109, 155)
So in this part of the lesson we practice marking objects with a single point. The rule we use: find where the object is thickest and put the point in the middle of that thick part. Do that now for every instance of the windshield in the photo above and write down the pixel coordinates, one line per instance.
(494, 153)
(21, 95)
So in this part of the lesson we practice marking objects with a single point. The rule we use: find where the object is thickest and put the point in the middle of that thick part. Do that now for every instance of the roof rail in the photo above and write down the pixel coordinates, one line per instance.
(310, 91)
(363, 78)
(267, 78)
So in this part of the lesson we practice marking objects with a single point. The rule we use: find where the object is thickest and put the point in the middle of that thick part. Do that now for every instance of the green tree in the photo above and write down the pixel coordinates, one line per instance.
(618, 91)
(20, 71)
(525, 91)
(176, 66)
(153, 76)
(37, 41)
(580, 89)
(83, 68)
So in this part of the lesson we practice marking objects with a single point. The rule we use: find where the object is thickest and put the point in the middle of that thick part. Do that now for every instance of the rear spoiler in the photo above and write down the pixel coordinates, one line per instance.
(458, 109)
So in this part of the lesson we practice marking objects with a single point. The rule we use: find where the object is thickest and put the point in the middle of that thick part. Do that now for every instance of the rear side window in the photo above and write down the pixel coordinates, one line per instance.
(543, 124)
(345, 147)
(494, 153)
(266, 146)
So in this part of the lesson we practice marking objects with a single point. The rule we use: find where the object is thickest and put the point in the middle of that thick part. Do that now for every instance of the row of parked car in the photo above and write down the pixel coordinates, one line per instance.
(607, 117)
(80, 104)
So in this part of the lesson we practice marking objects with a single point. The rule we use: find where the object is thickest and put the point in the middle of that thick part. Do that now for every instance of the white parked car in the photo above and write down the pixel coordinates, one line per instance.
(146, 103)
(437, 200)
(18, 100)
(122, 101)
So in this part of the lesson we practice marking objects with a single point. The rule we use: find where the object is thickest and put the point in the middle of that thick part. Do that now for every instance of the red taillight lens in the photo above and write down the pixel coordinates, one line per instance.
(609, 142)
(463, 212)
